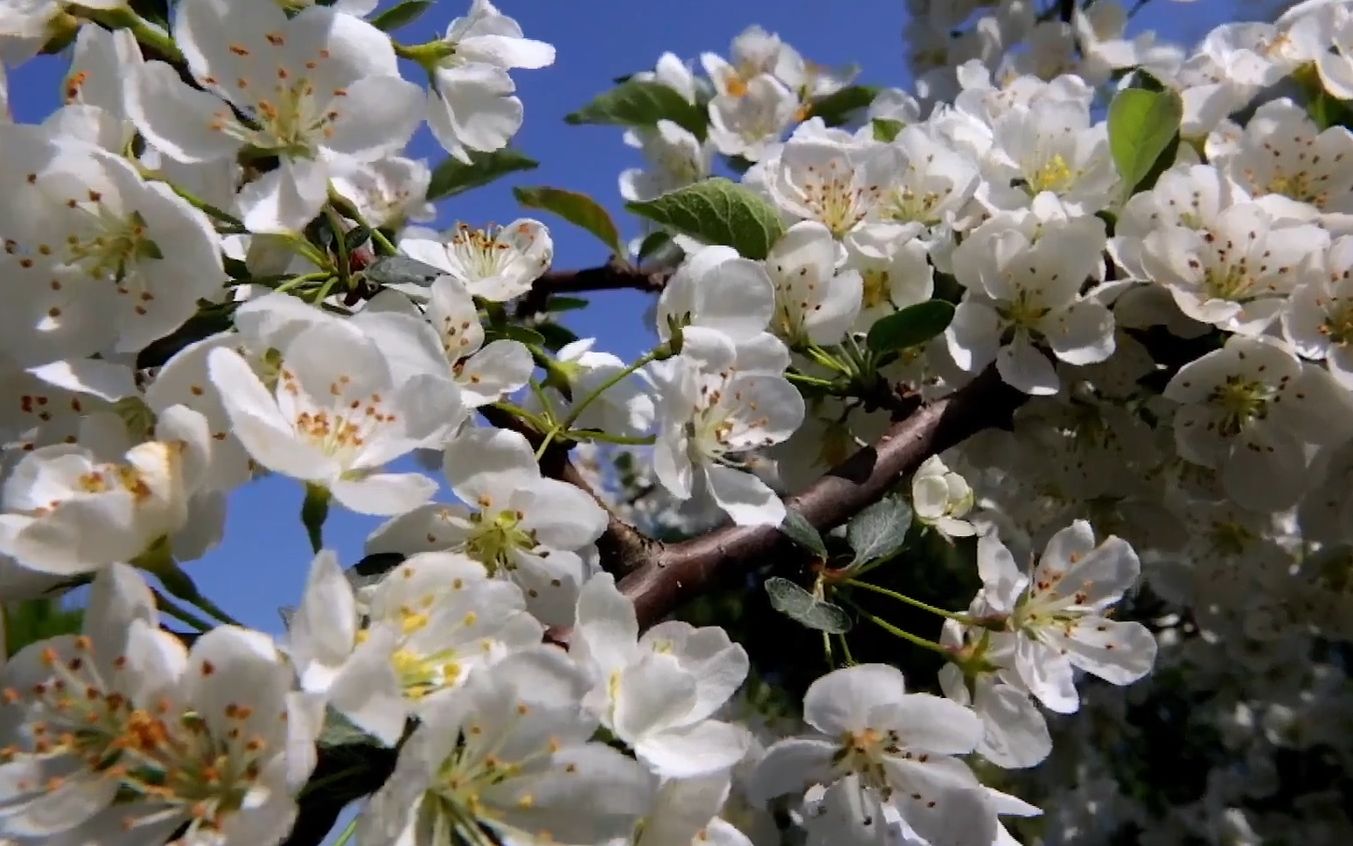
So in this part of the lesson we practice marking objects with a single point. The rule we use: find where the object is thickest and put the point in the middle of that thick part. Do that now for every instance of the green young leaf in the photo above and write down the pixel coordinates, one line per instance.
(1142, 125)
(797, 528)
(717, 211)
(879, 530)
(338, 730)
(886, 129)
(401, 270)
(835, 108)
(400, 14)
(558, 304)
(641, 103)
(556, 335)
(530, 337)
(453, 176)
(576, 208)
(910, 327)
(32, 620)
(807, 610)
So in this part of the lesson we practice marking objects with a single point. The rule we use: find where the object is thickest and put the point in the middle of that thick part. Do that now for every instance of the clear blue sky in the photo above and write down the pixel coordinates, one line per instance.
(263, 562)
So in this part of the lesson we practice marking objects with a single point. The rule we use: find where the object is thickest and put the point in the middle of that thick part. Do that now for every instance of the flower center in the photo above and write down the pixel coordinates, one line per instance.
(1241, 402)
(493, 539)
(838, 201)
(875, 287)
(482, 252)
(1338, 325)
(1053, 175)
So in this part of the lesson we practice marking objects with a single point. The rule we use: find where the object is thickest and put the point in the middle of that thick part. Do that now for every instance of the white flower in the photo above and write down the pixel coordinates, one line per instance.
(518, 524)
(716, 293)
(940, 497)
(122, 730)
(1056, 614)
(422, 630)
(96, 258)
(509, 751)
(935, 184)
(658, 692)
(711, 415)
(837, 181)
(1024, 281)
(625, 408)
(312, 88)
(813, 302)
(68, 510)
(386, 192)
(336, 416)
(1050, 145)
(676, 156)
(496, 263)
(898, 747)
(893, 268)
(1318, 320)
(470, 103)
(747, 124)
(1248, 410)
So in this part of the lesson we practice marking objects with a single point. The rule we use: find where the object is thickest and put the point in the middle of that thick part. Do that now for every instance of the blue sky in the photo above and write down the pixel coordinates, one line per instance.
(263, 562)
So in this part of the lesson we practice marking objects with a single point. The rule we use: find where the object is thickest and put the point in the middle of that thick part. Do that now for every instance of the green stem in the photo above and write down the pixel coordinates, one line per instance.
(900, 632)
(344, 267)
(181, 585)
(350, 211)
(323, 291)
(828, 360)
(517, 411)
(427, 54)
(314, 511)
(659, 352)
(146, 33)
(916, 603)
(348, 831)
(180, 613)
(814, 381)
(297, 281)
(845, 650)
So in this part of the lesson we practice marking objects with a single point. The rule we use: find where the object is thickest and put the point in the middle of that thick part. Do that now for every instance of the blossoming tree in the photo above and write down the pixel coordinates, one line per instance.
(987, 480)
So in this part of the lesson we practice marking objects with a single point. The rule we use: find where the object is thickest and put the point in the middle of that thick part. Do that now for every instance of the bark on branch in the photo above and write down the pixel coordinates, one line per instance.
(677, 572)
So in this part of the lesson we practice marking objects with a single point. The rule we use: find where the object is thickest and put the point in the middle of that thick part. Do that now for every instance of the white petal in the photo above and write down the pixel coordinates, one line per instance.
(745, 498)
(845, 700)
(707, 747)
(384, 493)
(1025, 368)
(1047, 673)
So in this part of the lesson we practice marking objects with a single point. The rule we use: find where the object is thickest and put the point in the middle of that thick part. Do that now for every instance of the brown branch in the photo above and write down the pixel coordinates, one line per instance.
(678, 572)
(614, 275)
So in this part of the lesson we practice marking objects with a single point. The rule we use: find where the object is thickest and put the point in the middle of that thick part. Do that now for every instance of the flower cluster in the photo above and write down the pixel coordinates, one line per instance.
(1126, 266)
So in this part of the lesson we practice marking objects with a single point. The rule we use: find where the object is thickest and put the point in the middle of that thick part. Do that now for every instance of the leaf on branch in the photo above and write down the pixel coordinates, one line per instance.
(401, 270)
(576, 208)
(641, 103)
(835, 108)
(557, 304)
(797, 528)
(886, 129)
(717, 211)
(401, 14)
(802, 607)
(1143, 126)
(879, 530)
(530, 337)
(32, 620)
(340, 731)
(453, 176)
(910, 327)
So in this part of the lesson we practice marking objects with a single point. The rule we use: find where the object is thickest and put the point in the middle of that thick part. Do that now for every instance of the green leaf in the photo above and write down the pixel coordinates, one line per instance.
(32, 620)
(641, 103)
(910, 327)
(835, 108)
(401, 270)
(879, 530)
(576, 208)
(556, 335)
(886, 129)
(659, 249)
(338, 730)
(401, 14)
(801, 606)
(797, 528)
(717, 211)
(557, 304)
(453, 176)
(530, 337)
(1142, 125)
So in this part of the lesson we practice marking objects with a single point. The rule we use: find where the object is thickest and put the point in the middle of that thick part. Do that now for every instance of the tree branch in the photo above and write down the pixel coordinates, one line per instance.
(615, 275)
(678, 572)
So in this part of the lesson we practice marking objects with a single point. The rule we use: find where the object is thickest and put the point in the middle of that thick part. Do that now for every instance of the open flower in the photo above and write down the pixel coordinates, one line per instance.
(1056, 614)
(518, 524)
(886, 746)
(336, 416)
(496, 263)
(310, 88)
